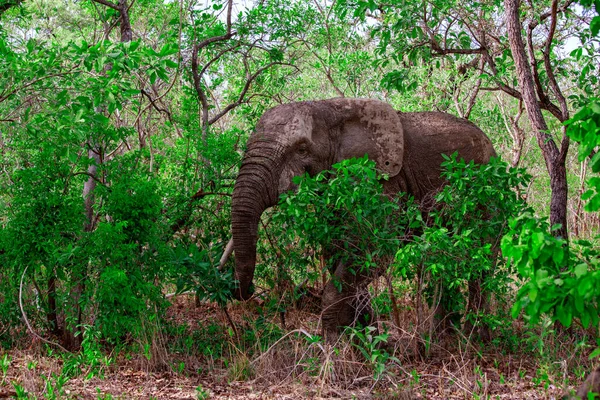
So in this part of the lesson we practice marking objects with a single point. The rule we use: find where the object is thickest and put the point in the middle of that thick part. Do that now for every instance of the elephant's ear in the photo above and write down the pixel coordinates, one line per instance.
(370, 127)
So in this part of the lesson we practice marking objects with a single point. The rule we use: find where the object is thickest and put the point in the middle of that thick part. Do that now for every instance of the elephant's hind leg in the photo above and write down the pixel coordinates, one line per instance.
(345, 302)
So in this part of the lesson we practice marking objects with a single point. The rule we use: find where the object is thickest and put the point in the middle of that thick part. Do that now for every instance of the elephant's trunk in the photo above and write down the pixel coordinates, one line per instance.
(256, 189)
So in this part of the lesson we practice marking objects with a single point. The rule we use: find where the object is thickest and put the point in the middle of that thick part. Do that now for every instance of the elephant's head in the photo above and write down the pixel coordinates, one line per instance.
(304, 137)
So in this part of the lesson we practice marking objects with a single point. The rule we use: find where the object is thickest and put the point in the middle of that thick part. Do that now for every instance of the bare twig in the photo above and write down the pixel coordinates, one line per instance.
(94, 177)
(235, 332)
(302, 331)
(33, 332)
(242, 94)
(108, 4)
(33, 82)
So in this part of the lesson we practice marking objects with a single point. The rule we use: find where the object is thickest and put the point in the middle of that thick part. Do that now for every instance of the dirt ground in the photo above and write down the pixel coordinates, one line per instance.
(446, 374)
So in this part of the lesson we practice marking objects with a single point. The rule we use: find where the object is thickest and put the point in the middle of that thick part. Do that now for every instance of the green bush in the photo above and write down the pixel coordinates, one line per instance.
(344, 214)
(561, 278)
(459, 239)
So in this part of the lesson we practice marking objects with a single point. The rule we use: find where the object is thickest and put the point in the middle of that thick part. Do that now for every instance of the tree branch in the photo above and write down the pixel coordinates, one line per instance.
(534, 23)
(33, 332)
(243, 92)
(548, 66)
(216, 58)
(445, 51)
(473, 96)
(197, 75)
(94, 177)
(108, 4)
(33, 82)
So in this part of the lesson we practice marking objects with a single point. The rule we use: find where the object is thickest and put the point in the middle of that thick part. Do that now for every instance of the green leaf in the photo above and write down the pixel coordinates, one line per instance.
(593, 204)
(132, 92)
(533, 293)
(564, 315)
(558, 255)
(595, 354)
(516, 309)
(595, 25)
(171, 64)
(153, 77)
(537, 240)
(167, 50)
(585, 319)
(580, 270)
(579, 306)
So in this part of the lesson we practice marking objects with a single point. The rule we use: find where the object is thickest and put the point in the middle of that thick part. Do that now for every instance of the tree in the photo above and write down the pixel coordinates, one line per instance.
(470, 38)
(526, 70)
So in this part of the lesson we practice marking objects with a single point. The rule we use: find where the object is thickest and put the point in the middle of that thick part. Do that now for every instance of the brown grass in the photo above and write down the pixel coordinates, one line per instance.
(296, 366)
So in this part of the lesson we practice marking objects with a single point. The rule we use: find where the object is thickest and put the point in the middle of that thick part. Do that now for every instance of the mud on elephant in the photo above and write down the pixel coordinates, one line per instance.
(310, 137)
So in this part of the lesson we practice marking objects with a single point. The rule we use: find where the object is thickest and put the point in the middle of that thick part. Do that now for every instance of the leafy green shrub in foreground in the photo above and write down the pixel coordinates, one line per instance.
(562, 278)
(453, 244)
(459, 241)
(343, 212)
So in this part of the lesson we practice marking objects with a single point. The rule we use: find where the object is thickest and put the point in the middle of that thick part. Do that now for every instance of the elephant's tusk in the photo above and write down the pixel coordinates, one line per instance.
(226, 254)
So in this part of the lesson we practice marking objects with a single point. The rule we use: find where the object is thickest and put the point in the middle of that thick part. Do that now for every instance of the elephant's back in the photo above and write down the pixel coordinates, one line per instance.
(427, 136)
(432, 133)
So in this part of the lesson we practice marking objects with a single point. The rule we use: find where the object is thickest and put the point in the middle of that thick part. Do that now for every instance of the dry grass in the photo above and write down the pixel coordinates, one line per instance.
(298, 366)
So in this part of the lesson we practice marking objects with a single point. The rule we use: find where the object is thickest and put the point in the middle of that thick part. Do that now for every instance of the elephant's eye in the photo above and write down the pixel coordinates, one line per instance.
(302, 149)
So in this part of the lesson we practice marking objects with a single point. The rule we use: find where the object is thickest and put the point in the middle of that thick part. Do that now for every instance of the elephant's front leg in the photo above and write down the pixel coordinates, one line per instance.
(345, 301)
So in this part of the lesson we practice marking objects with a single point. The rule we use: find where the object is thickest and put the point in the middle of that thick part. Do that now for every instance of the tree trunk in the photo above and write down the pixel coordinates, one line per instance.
(553, 157)
(126, 31)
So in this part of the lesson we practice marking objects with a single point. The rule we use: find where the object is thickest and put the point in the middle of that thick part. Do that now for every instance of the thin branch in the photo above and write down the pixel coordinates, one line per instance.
(201, 194)
(109, 4)
(33, 82)
(302, 331)
(548, 66)
(534, 69)
(444, 51)
(94, 177)
(243, 92)
(534, 23)
(217, 57)
(33, 332)
(472, 98)
(197, 76)
(235, 332)
(153, 103)
(325, 68)
(226, 254)
(199, 90)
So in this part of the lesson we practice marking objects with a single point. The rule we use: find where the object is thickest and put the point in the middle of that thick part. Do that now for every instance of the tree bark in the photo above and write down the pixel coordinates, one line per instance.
(553, 156)
(125, 23)
(126, 31)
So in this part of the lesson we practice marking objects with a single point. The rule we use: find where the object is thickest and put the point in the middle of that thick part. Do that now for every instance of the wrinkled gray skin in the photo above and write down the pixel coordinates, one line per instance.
(312, 136)
(589, 386)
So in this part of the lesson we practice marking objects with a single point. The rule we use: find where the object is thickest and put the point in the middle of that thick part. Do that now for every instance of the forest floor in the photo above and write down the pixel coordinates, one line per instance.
(469, 373)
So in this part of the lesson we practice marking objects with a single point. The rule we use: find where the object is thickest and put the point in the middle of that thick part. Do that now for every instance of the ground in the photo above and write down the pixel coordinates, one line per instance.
(283, 371)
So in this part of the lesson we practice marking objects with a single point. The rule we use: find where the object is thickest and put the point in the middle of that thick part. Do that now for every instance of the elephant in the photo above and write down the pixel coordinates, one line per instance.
(308, 137)
(591, 386)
